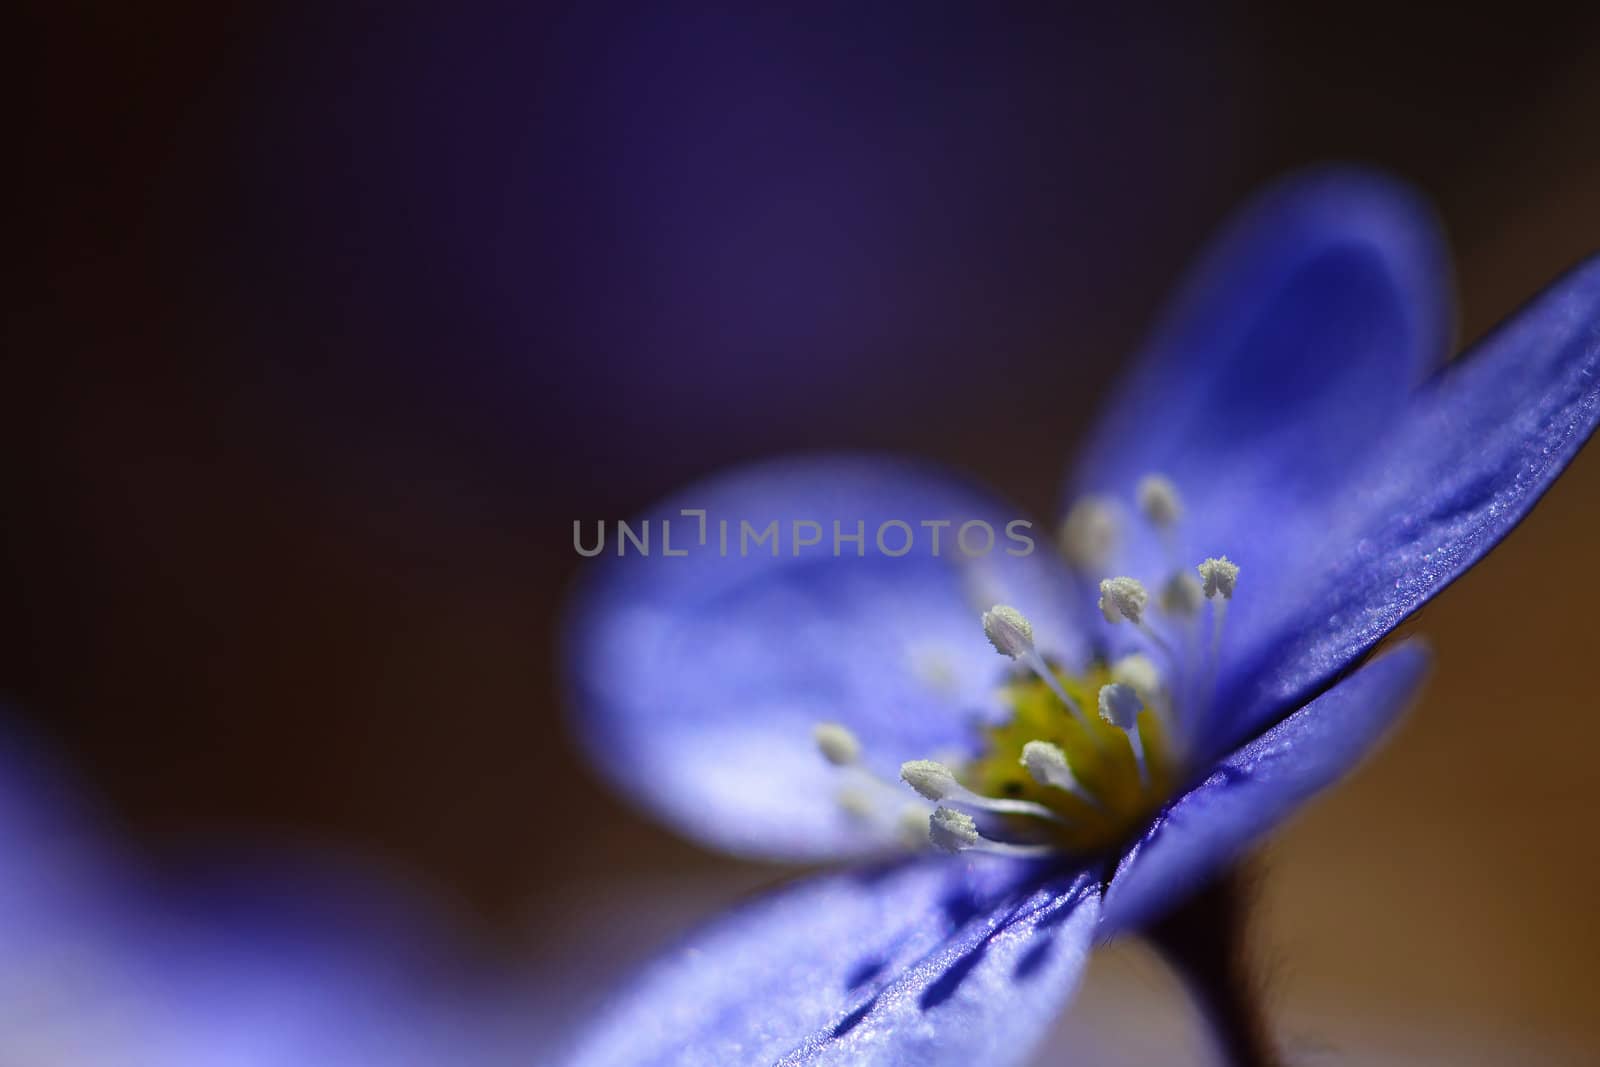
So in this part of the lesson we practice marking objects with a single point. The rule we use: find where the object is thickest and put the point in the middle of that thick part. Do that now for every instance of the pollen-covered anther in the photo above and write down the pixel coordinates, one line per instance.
(836, 743)
(1120, 705)
(1159, 501)
(1008, 630)
(929, 778)
(1218, 576)
(1182, 595)
(1047, 764)
(1123, 598)
(1089, 532)
(952, 830)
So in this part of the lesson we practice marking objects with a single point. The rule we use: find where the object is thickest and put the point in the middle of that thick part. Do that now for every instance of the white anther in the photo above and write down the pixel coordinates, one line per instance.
(1138, 672)
(1089, 532)
(1158, 501)
(1182, 595)
(1123, 598)
(1120, 705)
(933, 780)
(1008, 630)
(1047, 765)
(1218, 576)
(836, 743)
(952, 830)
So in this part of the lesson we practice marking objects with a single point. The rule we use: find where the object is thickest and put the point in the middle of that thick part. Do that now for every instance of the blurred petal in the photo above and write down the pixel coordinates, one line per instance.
(99, 967)
(928, 963)
(1259, 786)
(1475, 451)
(1297, 339)
(1291, 352)
(697, 680)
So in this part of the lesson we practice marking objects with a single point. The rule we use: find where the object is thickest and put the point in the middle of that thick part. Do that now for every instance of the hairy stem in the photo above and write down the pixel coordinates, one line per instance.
(1203, 940)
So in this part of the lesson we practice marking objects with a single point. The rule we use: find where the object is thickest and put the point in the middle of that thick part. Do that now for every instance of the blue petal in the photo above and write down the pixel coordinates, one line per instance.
(1257, 787)
(1298, 337)
(1295, 346)
(697, 679)
(932, 962)
(1473, 453)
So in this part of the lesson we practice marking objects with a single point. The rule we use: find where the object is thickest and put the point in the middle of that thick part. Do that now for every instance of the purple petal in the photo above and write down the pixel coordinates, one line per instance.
(932, 962)
(1473, 453)
(1296, 340)
(697, 680)
(1292, 351)
(1260, 785)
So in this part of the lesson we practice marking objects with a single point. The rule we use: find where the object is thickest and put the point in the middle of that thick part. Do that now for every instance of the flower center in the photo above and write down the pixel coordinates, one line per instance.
(1081, 760)
(1099, 778)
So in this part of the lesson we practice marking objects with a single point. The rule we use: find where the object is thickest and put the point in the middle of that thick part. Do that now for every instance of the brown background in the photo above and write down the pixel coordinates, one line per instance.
(264, 577)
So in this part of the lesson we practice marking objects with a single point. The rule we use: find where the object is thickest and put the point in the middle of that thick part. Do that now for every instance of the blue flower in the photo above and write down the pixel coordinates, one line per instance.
(102, 966)
(1287, 473)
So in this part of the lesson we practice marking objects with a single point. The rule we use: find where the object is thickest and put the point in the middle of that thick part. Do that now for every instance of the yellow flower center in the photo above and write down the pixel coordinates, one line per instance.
(1114, 798)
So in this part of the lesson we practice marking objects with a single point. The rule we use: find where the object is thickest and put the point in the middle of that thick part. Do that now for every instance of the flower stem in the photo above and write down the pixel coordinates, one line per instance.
(1203, 940)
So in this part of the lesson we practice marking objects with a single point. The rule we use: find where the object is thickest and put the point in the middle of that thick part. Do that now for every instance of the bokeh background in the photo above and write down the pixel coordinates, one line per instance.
(325, 325)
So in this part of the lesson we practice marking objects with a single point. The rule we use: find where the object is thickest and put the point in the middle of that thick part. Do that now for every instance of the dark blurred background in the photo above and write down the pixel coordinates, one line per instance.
(327, 324)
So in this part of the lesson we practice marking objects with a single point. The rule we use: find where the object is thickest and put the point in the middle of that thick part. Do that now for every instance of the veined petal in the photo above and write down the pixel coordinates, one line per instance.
(1473, 453)
(1258, 786)
(927, 963)
(1290, 354)
(697, 680)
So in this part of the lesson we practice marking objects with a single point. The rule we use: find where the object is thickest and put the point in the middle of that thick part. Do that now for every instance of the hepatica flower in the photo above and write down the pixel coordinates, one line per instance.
(1288, 472)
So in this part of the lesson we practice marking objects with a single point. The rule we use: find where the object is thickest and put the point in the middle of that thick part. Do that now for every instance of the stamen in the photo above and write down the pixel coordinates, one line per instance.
(864, 797)
(1089, 533)
(1120, 707)
(937, 783)
(1125, 598)
(1182, 596)
(1011, 634)
(836, 743)
(1218, 576)
(1047, 765)
(1158, 501)
(955, 831)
